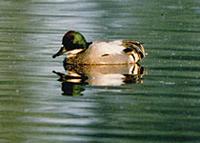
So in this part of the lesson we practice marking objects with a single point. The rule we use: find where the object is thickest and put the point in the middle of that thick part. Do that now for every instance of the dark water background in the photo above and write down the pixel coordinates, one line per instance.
(163, 107)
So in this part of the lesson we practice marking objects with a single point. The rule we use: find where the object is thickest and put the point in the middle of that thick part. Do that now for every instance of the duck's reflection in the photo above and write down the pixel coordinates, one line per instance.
(76, 77)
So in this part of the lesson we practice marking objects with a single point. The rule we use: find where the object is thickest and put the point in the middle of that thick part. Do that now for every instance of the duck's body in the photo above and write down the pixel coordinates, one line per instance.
(100, 52)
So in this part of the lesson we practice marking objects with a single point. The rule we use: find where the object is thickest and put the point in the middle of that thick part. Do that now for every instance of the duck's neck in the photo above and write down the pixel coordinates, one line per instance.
(88, 44)
(76, 51)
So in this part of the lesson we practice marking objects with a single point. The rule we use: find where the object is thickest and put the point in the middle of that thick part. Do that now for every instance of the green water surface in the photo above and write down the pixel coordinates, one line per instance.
(162, 107)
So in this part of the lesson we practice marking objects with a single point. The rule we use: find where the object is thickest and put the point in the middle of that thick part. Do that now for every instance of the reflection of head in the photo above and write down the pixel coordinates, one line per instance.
(72, 89)
(71, 85)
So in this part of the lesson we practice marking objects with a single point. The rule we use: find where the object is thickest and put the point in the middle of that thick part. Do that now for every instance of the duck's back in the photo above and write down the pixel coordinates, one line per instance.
(103, 53)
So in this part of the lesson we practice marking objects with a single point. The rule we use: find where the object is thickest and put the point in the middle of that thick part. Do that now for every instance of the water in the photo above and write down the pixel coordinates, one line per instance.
(162, 105)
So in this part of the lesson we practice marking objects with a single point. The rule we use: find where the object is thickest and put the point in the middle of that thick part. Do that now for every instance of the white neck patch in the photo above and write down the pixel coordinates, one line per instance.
(73, 53)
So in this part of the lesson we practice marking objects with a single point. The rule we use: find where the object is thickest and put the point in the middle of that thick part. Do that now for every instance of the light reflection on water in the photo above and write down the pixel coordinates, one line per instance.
(164, 108)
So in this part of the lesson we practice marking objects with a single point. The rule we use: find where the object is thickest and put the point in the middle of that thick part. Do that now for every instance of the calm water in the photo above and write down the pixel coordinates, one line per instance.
(159, 106)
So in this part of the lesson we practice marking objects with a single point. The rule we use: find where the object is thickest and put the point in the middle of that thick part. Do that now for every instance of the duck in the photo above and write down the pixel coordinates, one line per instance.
(80, 52)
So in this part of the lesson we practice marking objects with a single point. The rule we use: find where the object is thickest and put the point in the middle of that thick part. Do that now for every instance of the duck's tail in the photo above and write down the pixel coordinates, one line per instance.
(134, 46)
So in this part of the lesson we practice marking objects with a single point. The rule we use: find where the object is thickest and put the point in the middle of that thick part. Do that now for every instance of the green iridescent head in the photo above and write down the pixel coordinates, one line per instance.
(72, 40)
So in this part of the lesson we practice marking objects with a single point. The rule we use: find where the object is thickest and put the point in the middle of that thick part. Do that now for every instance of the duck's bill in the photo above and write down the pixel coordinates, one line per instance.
(60, 52)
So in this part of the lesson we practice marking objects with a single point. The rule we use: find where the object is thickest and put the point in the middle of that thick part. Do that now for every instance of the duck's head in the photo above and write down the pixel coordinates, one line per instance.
(73, 42)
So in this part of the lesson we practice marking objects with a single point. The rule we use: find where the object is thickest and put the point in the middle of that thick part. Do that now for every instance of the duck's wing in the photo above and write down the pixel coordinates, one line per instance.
(134, 47)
